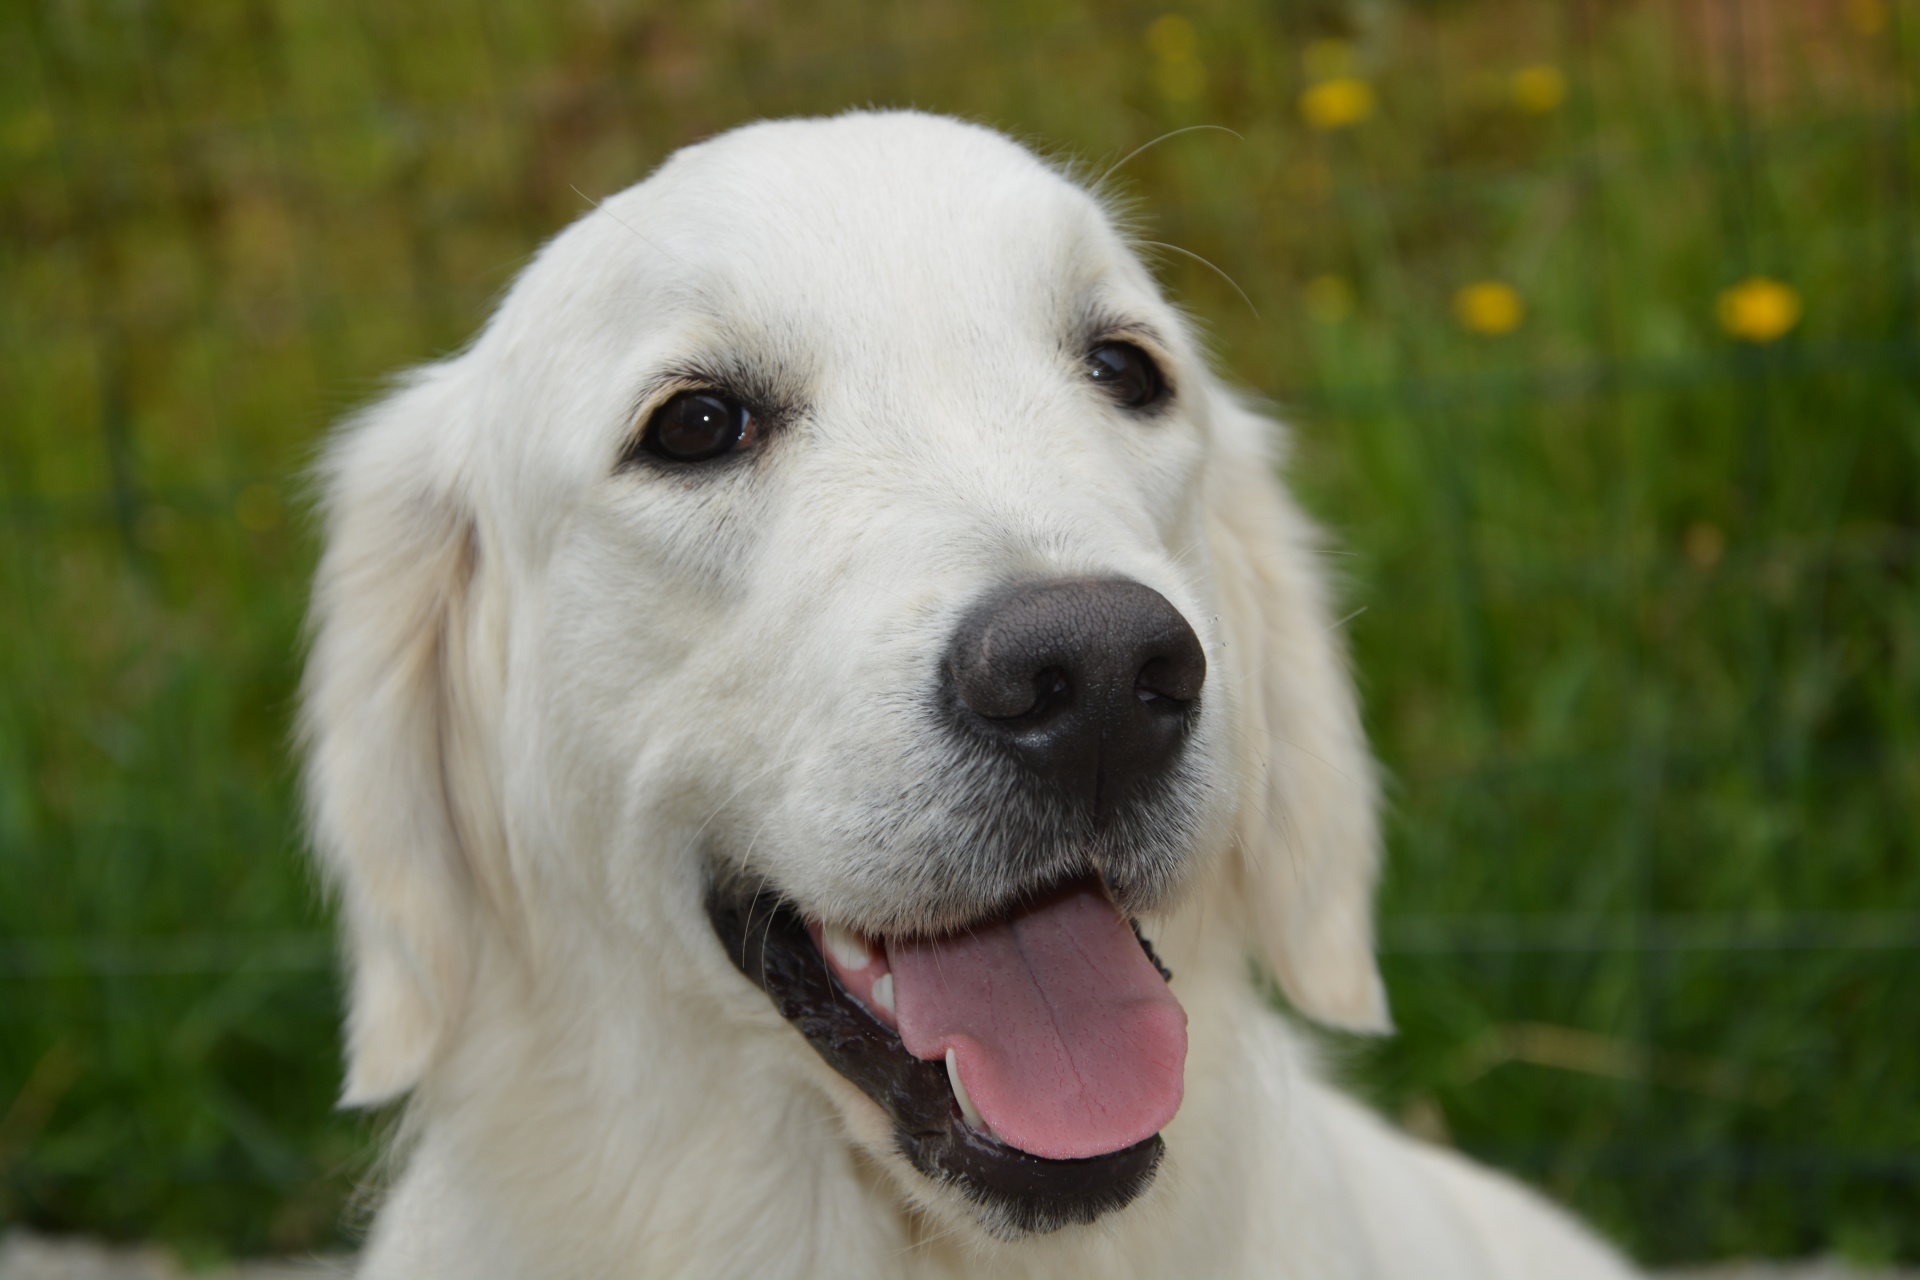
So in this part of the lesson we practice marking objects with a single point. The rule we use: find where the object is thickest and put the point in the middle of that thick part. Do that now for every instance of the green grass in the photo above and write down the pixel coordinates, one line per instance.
(1641, 640)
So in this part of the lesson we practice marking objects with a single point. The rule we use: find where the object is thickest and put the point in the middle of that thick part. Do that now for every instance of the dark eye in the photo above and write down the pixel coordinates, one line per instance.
(695, 426)
(1126, 373)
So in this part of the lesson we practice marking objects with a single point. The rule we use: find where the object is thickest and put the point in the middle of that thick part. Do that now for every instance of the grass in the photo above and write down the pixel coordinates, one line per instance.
(1641, 639)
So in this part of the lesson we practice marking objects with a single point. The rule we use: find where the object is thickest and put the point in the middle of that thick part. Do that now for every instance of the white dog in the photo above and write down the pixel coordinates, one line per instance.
(776, 700)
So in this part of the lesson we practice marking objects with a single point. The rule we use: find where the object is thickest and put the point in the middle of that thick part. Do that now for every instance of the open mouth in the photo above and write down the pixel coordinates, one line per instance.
(1029, 1061)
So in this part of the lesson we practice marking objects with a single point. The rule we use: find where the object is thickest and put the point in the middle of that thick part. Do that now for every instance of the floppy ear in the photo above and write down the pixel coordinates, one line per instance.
(393, 705)
(1308, 833)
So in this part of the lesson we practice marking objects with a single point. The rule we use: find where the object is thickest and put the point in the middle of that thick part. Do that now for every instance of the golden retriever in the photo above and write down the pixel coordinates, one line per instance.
(809, 716)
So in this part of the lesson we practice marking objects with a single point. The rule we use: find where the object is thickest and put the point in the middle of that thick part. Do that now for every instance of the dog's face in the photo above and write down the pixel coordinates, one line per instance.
(851, 393)
(834, 565)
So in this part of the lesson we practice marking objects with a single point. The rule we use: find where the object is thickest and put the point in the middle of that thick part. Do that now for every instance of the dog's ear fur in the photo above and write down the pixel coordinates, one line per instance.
(396, 778)
(1307, 834)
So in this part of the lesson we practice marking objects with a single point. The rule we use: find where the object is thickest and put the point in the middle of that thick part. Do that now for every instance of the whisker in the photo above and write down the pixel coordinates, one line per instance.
(1311, 755)
(1121, 163)
(1231, 282)
(766, 935)
(924, 1241)
(749, 929)
(602, 208)
(781, 763)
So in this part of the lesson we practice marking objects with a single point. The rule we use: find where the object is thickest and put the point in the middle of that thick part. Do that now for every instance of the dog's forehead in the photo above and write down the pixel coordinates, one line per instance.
(873, 259)
(863, 215)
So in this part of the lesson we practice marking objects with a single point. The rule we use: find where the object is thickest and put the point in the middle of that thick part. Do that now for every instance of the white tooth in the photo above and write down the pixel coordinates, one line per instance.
(883, 992)
(846, 947)
(960, 1096)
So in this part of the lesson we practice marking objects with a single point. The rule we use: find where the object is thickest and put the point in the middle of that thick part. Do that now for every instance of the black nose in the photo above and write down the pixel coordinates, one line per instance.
(1091, 682)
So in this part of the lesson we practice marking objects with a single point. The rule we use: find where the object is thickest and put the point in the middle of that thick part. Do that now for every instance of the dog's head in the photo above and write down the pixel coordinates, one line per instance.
(835, 569)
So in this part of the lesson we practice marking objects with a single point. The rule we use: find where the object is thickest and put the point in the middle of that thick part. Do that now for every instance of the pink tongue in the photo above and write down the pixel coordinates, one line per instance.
(1064, 1034)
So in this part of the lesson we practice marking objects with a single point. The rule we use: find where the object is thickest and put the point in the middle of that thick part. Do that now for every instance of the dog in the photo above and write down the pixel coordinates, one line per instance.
(808, 718)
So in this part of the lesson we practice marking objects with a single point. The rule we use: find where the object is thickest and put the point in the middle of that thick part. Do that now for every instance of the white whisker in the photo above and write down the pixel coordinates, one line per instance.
(1122, 162)
(1231, 282)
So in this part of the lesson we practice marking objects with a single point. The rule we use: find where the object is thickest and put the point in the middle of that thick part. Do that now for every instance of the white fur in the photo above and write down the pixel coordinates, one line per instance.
(545, 690)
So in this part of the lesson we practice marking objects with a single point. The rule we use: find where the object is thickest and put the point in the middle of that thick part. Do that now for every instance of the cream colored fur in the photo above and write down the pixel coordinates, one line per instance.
(548, 693)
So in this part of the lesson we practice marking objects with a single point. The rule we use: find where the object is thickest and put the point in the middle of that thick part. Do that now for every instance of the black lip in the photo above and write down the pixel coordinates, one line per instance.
(1013, 1192)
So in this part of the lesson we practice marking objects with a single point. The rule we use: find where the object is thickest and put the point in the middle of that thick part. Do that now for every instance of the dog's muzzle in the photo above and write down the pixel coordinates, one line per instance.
(1016, 1028)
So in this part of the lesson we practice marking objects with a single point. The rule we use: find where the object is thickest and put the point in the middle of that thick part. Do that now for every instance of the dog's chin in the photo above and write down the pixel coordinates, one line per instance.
(1009, 1192)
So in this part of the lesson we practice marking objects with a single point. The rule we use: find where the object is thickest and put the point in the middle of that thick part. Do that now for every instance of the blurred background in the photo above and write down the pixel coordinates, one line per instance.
(1595, 320)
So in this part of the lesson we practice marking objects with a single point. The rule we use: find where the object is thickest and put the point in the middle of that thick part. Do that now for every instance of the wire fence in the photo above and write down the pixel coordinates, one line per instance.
(1596, 324)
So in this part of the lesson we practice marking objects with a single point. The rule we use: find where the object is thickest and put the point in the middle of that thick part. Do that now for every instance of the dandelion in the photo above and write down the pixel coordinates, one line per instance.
(1489, 307)
(1177, 71)
(1337, 104)
(1758, 310)
(1539, 89)
(1335, 98)
(1329, 299)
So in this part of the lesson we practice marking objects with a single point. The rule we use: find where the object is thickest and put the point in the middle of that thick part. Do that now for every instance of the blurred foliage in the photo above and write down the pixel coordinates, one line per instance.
(1641, 637)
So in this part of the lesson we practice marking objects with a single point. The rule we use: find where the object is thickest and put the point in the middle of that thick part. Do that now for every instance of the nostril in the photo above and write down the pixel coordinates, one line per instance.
(1052, 690)
(1175, 679)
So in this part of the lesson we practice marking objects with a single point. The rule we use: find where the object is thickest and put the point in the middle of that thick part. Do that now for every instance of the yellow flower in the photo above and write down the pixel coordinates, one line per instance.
(1337, 104)
(1758, 309)
(1171, 38)
(1489, 307)
(1329, 299)
(1177, 73)
(1539, 89)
